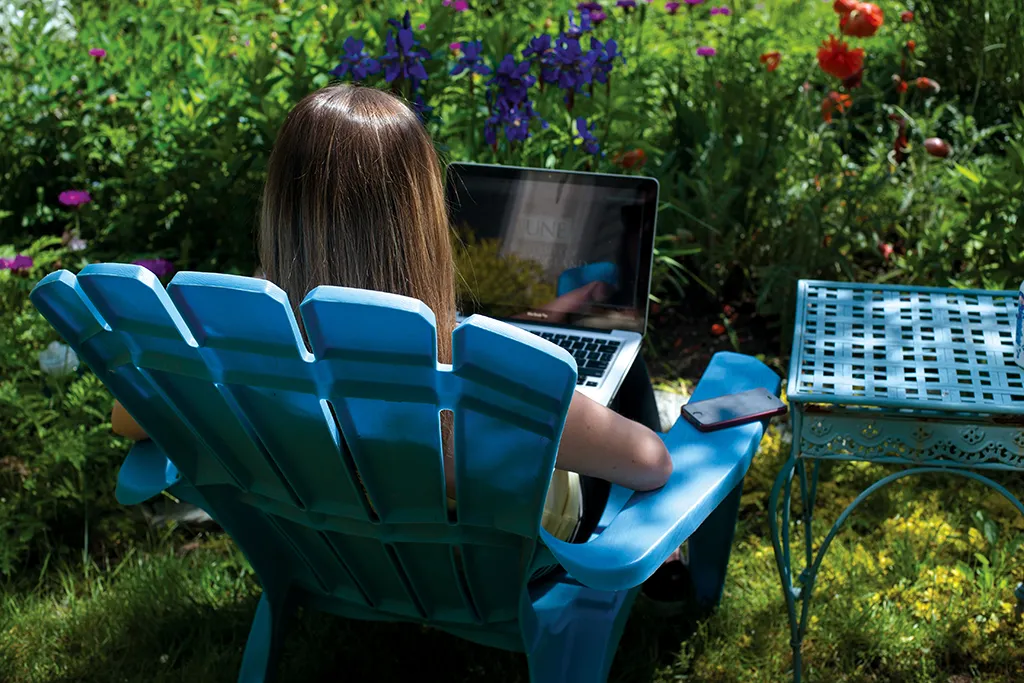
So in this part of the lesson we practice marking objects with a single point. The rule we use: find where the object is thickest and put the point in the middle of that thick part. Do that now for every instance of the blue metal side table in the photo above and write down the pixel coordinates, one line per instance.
(915, 377)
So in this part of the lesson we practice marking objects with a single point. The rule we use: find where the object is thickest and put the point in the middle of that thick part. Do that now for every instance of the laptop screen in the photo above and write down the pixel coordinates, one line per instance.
(553, 247)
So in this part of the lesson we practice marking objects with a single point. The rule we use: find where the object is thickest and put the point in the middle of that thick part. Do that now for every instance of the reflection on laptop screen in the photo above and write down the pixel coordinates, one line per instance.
(553, 247)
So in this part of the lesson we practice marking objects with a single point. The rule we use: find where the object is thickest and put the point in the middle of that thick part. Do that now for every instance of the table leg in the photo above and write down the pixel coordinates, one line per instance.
(781, 543)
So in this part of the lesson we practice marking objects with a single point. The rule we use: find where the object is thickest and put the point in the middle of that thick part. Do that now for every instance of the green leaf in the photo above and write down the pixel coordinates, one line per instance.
(968, 173)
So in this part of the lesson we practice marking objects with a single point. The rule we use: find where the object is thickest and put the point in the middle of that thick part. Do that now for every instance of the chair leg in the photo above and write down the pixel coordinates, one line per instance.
(583, 651)
(709, 550)
(259, 663)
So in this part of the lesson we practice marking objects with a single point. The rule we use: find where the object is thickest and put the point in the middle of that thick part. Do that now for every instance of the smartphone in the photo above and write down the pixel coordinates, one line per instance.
(733, 409)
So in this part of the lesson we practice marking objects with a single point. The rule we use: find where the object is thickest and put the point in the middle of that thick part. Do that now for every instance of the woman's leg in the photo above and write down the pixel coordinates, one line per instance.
(635, 399)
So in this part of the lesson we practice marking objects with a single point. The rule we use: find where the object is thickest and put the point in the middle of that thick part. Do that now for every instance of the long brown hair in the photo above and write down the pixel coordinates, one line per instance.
(354, 197)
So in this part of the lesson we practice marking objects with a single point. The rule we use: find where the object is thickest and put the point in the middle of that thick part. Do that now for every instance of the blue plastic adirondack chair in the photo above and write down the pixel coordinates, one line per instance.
(325, 465)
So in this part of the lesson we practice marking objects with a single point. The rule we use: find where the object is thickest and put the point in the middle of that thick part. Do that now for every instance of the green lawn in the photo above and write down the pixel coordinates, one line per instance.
(913, 591)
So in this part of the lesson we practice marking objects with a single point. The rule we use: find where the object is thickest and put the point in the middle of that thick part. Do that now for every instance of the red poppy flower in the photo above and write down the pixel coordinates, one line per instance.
(835, 102)
(863, 21)
(837, 59)
(771, 60)
(718, 329)
(906, 17)
(911, 45)
(844, 7)
(634, 158)
(885, 249)
(927, 84)
(900, 145)
(854, 81)
(901, 85)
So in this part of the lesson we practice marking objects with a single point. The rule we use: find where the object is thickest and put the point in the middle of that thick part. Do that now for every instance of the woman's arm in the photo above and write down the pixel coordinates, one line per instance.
(125, 425)
(598, 442)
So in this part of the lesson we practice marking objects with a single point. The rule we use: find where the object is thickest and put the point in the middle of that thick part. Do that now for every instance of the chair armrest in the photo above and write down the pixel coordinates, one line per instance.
(145, 473)
(706, 468)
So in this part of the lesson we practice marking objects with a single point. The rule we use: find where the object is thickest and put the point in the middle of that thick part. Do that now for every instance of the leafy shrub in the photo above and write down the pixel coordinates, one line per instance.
(977, 54)
(57, 453)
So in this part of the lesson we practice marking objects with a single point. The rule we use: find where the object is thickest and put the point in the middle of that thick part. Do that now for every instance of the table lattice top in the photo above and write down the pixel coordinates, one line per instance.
(906, 348)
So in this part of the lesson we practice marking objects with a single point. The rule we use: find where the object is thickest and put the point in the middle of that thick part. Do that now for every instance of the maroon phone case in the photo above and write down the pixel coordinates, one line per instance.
(760, 405)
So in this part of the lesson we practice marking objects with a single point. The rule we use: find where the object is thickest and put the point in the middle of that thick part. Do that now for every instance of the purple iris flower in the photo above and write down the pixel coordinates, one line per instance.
(514, 118)
(606, 54)
(589, 7)
(576, 30)
(568, 65)
(404, 57)
(538, 47)
(511, 108)
(590, 145)
(512, 79)
(355, 61)
(597, 17)
(626, 4)
(470, 60)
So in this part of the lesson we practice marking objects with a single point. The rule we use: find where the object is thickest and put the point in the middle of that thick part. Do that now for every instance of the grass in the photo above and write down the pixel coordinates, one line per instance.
(919, 588)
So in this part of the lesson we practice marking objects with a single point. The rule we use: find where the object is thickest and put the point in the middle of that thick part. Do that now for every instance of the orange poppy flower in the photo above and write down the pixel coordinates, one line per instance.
(835, 102)
(928, 84)
(771, 60)
(911, 45)
(837, 59)
(863, 21)
(901, 85)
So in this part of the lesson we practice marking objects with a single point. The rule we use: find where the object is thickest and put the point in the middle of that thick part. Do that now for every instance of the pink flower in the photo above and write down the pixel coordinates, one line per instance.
(19, 262)
(724, 11)
(671, 7)
(455, 47)
(159, 267)
(97, 53)
(457, 5)
(705, 51)
(74, 197)
(694, 2)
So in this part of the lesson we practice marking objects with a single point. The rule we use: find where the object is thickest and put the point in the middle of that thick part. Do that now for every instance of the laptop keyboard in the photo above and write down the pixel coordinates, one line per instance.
(593, 356)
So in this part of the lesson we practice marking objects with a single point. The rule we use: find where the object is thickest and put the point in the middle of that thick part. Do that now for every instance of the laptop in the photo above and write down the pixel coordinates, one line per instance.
(565, 255)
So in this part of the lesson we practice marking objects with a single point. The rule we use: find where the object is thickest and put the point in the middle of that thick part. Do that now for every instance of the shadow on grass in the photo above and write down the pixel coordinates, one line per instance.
(201, 643)
(168, 623)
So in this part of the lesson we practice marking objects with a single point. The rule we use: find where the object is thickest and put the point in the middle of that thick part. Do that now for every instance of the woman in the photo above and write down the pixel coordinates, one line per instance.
(354, 197)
